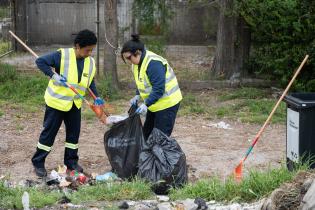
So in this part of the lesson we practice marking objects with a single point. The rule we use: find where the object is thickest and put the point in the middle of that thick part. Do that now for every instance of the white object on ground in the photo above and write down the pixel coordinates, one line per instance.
(26, 201)
(54, 175)
(221, 124)
(162, 198)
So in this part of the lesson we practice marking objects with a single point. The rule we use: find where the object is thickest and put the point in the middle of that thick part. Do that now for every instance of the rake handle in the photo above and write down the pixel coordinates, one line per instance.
(275, 107)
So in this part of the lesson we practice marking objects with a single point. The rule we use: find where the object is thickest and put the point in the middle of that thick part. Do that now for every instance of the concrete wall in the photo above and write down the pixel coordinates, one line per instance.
(57, 22)
(193, 24)
(46, 22)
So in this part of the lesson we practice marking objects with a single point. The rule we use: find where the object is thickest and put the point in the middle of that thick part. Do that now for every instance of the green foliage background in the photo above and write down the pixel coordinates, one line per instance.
(282, 34)
(153, 16)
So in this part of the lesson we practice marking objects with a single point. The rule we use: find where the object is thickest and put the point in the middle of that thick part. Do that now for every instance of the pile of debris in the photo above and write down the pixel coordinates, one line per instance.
(72, 179)
(298, 194)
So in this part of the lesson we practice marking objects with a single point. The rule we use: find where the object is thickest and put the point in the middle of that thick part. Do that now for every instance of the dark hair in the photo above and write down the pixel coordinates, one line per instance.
(85, 38)
(132, 45)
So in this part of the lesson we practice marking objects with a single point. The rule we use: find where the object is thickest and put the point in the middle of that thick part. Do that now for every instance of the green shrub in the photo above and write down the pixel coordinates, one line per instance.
(7, 73)
(282, 34)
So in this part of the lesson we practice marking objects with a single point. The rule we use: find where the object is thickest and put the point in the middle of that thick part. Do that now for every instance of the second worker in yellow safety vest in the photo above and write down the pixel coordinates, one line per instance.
(76, 67)
(156, 84)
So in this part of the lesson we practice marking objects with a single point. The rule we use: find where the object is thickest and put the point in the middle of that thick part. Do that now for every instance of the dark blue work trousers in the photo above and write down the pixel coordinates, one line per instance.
(52, 122)
(164, 120)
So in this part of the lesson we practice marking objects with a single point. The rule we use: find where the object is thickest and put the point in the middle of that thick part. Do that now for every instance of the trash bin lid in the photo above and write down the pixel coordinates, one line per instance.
(300, 100)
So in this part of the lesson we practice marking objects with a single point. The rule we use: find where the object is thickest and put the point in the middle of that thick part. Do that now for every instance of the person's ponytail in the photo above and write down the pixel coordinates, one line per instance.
(132, 45)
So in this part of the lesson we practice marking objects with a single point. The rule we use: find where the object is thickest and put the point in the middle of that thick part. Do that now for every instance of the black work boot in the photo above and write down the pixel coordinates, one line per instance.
(71, 159)
(38, 161)
(75, 167)
(40, 172)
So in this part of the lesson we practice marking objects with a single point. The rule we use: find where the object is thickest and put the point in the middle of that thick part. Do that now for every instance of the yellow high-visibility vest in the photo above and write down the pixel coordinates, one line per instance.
(172, 94)
(62, 98)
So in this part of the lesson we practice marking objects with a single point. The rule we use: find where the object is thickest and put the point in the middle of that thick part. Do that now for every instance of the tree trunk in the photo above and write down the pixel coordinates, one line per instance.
(19, 23)
(111, 33)
(233, 43)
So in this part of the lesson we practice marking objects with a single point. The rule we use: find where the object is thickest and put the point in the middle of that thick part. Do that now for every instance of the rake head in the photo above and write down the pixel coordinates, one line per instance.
(99, 112)
(238, 172)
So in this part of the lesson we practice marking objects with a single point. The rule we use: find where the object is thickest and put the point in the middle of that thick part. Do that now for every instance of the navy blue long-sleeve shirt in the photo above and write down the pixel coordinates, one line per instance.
(45, 62)
(156, 73)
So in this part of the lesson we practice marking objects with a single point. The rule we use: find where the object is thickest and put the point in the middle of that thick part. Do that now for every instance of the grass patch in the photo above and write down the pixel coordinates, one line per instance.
(12, 197)
(25, 90)
(192, 74)
(5, 46)
(244, 93)
(135, 190)
(191, 104)
(248, 105)
(256, 185)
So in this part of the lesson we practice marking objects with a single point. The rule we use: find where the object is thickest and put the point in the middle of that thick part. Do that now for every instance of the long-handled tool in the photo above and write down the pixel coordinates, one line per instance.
(239, 167)
(98, 110)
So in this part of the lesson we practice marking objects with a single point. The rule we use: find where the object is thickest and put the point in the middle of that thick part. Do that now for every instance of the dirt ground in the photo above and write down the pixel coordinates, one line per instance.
(209, 150)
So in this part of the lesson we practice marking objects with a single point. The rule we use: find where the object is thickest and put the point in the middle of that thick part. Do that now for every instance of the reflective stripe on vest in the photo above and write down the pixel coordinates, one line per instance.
(62, 98)
(172, 94)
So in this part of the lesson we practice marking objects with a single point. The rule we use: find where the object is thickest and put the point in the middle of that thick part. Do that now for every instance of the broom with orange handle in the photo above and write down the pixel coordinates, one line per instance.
(99, 112)
(239, 168)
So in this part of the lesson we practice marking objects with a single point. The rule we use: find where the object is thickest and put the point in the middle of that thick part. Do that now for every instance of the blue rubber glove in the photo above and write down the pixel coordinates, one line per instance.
(98, 101)
(134, 100)
(59, 79)
(142, 109)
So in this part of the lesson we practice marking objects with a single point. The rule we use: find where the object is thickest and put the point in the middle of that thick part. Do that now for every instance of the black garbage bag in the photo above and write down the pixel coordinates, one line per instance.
(163, 162)
(122, 145)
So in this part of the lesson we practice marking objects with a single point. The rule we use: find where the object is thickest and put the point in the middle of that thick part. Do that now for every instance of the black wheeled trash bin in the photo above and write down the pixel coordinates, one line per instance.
(300, 139)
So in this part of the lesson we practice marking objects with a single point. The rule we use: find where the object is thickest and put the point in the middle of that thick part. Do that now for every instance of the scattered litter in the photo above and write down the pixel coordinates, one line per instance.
(70, 205)
(179, 206)
(64, 183)
(211, 202)
(50, 182)
(93, 175)
(131, 203)
(189, 204)
(109, 176)
(201, 203)
(123, 205)
(221, 124)
(81, 178)
(62, 169)
(26, 201)
(22, 183)
(162, 198)
(55, 175)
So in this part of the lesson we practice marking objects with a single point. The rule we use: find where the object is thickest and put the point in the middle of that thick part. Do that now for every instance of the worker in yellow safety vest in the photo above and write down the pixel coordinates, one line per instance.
(157, 86)
(76, 67)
